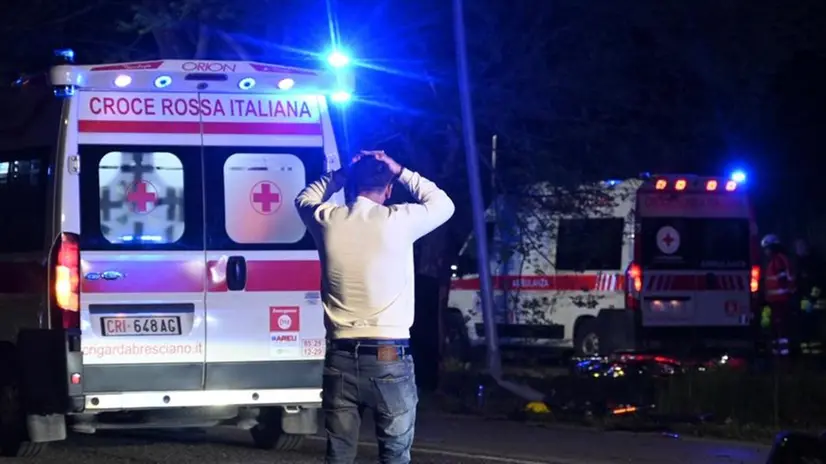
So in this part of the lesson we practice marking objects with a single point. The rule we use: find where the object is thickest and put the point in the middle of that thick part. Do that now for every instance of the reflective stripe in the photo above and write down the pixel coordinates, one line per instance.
(777, 276)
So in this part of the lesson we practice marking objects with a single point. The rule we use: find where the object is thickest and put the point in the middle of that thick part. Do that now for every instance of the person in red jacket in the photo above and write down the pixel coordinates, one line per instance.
(778, 293)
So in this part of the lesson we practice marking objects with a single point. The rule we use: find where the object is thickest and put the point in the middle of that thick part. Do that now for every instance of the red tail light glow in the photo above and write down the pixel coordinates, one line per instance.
(633, 285)
(680, 185)
(731, 186)
(754, 282)
(67, 280)
(661, 184)
(635, 277)
(711, 185)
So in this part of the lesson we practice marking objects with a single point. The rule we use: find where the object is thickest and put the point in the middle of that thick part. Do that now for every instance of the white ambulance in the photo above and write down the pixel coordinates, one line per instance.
(661, 262)
(155, 272)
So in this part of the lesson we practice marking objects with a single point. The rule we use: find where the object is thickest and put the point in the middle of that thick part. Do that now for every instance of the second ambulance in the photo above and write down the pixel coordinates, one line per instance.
(667, 262)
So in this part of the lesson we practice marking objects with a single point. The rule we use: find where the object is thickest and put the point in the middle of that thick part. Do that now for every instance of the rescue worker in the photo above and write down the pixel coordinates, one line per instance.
(809, 278)
(778, 293)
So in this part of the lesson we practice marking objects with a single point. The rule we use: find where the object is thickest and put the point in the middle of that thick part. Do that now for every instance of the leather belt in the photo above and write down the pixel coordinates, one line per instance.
(369, 345)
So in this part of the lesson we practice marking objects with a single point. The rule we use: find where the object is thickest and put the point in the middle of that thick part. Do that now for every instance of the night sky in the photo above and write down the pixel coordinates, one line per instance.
(574, 89)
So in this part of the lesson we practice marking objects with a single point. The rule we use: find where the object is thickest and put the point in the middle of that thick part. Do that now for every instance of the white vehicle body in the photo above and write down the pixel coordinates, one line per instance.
(574, 284)
(177, 263)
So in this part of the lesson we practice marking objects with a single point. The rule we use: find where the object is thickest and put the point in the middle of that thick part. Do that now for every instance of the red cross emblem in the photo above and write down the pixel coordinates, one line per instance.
(668, 240)
(142, 197)
(265, 197)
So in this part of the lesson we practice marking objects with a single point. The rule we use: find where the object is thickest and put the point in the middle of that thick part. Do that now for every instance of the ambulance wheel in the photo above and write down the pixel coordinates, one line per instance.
(13, 435)
(271, 437)
(586, 338)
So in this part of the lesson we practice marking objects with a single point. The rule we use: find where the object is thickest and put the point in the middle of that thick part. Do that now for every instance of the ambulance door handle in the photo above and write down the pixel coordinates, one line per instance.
(236, 273)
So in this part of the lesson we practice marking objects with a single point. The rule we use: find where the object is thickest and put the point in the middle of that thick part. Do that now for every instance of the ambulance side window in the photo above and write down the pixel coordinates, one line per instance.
(23, 200)
(589, 244)
(140, 198)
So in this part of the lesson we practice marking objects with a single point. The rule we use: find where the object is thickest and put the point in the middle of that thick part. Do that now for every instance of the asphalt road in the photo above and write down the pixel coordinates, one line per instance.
(212, 447)
(440, 439)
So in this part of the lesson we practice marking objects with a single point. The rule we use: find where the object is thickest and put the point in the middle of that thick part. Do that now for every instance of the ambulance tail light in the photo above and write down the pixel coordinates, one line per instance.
(65, 264)
(661, 184)
(633, 282)
(680, 185)
(711, 185)
(731, 186)
(754, 282)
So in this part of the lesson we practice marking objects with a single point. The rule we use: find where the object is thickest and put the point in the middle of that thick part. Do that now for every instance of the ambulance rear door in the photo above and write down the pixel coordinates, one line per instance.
(669, 290)
(723, 260)
(265, 324)
(695, 255)
(141, 243)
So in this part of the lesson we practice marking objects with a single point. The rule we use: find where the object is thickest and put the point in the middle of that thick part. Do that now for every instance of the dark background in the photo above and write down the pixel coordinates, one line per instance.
(576, 90)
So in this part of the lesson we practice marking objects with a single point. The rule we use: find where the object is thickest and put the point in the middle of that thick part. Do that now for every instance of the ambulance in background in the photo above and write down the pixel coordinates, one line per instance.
(667, 262)
(155, 272)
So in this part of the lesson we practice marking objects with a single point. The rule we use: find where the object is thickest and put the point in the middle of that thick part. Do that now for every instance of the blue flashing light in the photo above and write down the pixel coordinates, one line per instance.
(338, 59)
(246, 83)
(141, 238)
(163, 81)
(65, 55)
(738, 176)
(341, 96)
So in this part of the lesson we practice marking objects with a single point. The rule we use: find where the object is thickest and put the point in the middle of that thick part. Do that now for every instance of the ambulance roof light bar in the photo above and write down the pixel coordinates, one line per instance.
(690, 183)
(203, 76)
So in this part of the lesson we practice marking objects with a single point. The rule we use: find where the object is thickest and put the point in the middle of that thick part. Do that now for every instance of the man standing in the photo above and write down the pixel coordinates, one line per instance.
(779, 288)
(810, 277)
(366, 252)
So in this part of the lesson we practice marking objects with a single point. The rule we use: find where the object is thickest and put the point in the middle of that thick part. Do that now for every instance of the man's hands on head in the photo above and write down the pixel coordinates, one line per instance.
(395, 168)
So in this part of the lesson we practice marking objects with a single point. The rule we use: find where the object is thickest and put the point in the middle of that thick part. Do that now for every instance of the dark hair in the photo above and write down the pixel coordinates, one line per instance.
(369, 175)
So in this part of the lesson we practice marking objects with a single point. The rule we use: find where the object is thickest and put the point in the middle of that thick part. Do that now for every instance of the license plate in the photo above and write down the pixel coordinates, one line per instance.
(143, 325)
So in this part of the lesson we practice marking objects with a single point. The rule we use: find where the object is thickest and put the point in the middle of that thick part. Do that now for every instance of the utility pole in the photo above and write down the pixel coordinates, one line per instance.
(475, 183)
(493, 144)
(477, 204)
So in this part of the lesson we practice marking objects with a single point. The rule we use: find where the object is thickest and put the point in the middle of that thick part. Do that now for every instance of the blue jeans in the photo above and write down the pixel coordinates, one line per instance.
(355, 380)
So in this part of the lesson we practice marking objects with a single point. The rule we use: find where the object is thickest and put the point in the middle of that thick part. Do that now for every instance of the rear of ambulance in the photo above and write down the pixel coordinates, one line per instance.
(694, 278)
(182, 261)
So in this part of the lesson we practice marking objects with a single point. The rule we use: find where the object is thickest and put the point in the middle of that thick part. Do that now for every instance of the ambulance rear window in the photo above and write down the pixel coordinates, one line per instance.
(141, 197)
(589, 244)
(695, 243)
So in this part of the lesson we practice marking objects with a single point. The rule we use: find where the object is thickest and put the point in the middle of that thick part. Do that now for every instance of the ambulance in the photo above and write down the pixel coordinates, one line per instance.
(155, 272)
(661, 262)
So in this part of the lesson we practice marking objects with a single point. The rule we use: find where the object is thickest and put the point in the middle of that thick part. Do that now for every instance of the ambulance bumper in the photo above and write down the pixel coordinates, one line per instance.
(298, 397)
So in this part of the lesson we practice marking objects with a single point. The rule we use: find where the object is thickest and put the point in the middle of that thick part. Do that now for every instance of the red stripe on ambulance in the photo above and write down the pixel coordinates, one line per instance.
(558, 282)
(193, 276)
(129, 66)
(146, 277)
(194, 127)
(271, 276)
(694, 282)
